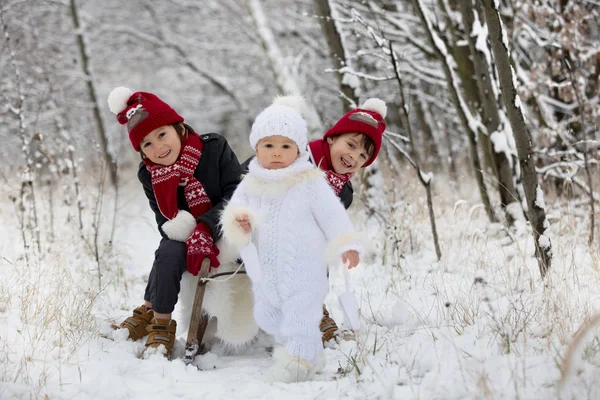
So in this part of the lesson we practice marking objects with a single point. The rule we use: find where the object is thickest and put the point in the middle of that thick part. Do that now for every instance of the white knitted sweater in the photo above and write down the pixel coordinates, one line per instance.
(296, 219)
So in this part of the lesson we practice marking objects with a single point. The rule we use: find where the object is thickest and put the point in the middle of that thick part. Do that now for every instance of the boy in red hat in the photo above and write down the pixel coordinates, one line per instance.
(187, 179)
(351, 144)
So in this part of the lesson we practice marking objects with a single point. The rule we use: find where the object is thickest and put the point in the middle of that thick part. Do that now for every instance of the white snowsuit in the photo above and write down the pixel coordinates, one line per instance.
(298, 226)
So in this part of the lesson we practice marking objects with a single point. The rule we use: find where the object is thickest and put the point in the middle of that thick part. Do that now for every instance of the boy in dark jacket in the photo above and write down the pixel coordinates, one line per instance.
(187, 179)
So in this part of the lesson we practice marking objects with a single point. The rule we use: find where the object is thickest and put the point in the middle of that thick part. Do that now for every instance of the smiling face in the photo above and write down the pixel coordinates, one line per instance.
(162, 145)
(276, 152)
(348, 152)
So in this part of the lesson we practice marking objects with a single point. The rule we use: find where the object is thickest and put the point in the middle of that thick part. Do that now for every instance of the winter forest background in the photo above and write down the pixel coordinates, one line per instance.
(483, 205)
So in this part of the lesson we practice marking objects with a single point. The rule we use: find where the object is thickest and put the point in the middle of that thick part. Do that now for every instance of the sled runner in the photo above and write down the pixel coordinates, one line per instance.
(198, 320)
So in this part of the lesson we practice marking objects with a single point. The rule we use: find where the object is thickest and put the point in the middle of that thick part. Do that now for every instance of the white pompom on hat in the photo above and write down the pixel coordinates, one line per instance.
(283, 118)
(377, 105)
(368, 119)
(118, 98)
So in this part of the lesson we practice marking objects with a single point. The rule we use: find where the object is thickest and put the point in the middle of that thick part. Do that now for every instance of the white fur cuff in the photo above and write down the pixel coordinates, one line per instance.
(232, 231)
(181, 227)
(348, 241)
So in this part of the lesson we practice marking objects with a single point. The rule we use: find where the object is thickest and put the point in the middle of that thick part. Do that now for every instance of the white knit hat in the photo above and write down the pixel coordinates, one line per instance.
(283, 118)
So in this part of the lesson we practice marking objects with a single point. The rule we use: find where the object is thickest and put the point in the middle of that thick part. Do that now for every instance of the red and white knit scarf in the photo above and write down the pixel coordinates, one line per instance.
(166, 180)
(322, 157)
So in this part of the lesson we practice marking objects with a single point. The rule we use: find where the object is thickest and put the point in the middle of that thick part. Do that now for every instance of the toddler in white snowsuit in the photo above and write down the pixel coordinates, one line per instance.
(286, 208)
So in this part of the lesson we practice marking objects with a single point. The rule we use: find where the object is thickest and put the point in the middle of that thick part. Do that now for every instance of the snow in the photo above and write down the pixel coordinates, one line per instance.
(351, 80)
(501, 145)
(544, 241)
(515, 82)
(480, 32)
(478, 323)
(539, 198)
(517, 100)
(426, 176)
(503, 32)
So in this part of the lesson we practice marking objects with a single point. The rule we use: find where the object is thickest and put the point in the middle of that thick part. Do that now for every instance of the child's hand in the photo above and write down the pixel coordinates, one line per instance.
(244, 223)
(351, 258)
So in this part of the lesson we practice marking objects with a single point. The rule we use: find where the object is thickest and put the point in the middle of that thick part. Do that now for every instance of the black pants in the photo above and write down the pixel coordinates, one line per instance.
(164, 281)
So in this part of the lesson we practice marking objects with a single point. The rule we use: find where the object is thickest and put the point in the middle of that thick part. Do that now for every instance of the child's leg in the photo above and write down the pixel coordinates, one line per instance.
(162, 291)
(301, 316)
(302, 355)
(164, 281)
(267, 316)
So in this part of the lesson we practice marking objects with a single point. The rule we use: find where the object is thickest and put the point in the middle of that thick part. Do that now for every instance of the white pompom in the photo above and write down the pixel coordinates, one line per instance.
(377, 105)
(117, 99)
(296, 103)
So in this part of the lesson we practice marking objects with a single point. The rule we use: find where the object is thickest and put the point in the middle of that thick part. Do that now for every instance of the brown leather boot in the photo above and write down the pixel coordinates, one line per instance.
(137, 323)
(162, 332)
(328, 326)
(330, 330)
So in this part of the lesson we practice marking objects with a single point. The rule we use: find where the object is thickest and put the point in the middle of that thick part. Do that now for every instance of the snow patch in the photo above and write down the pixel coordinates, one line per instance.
(501, 145)
(351, 80)
(480, 33)
(544, 241)
(426, 176)
(539, 198)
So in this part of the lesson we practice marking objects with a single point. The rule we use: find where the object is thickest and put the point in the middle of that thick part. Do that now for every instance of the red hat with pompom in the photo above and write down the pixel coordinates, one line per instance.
(142, 112)
(369, 119)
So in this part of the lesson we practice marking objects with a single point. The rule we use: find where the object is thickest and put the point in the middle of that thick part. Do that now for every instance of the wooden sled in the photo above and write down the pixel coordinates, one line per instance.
(198, 319)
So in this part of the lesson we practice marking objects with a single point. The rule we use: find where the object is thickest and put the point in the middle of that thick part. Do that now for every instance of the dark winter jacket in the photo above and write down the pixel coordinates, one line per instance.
(346, 195)
(218, 171)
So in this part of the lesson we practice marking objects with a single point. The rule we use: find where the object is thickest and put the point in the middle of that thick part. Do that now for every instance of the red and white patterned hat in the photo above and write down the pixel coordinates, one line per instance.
(142, 112)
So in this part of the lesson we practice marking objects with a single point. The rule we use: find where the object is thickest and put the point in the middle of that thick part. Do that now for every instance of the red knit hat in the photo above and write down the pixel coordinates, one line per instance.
(369, 120)
(142, 113)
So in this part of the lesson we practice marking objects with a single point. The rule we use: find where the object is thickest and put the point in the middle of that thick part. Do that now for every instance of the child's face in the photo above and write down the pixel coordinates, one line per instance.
(276, 152)
(348, 153)
(162, 145)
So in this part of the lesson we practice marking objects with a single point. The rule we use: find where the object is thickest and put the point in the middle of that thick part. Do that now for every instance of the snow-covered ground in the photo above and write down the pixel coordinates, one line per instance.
(478, 324)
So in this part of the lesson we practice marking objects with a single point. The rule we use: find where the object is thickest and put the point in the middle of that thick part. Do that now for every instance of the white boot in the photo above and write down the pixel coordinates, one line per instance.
(288, 368)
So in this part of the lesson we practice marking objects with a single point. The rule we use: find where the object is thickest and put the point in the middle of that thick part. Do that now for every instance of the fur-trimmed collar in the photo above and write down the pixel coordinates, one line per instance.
(277, 181)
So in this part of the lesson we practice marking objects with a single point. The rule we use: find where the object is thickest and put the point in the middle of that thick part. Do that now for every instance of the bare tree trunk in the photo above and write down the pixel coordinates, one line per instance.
(491, 117)
(466, 120)
(77, 191)
(337, 50)
(30, 230)
(585, 151)
(85, 66)
(466, 71)
(424, 179)
(533, 192)
(429, 142)
(50, 210)
(460, 53)
(451, 158)
(109, 158)
(286, 84)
